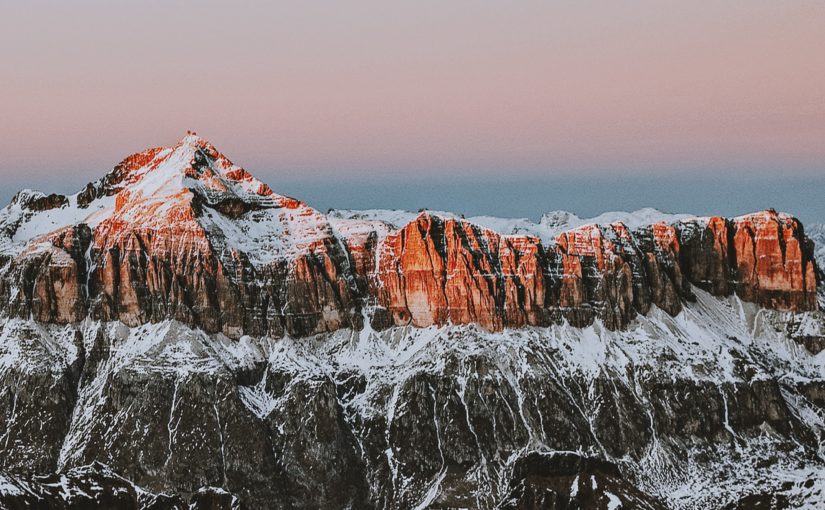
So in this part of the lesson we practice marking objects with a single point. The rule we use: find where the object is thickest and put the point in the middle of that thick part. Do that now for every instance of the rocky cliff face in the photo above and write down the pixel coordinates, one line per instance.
(764, 257)
(439, 270)
(179, 233)
(184, 234)
(213, 343)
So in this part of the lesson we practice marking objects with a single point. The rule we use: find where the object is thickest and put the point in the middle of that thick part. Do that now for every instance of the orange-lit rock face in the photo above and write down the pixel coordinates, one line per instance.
(520, 258)
(666, 237)
(438, 271)
(763, 257)
(151, 249)
(148, 158)
(435, 271)
(156, 262)
(411, 273)
(182, 233)
(588, 241)
(772, 267)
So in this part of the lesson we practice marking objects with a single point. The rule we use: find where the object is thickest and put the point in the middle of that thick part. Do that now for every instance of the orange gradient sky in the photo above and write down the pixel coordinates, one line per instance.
(315, 89)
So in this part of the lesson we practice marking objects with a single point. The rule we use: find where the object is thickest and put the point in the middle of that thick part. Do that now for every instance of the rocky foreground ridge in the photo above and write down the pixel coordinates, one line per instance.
(212, 343)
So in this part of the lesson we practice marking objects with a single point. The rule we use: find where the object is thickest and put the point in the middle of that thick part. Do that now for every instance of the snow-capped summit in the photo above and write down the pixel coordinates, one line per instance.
(193, 187)
(190, 186)
(196, 165)
(191, 169)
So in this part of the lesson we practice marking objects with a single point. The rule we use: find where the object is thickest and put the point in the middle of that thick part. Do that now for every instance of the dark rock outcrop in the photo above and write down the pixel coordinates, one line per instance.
(566, 481)
(763, 257)
(48, 281)
(39, 202)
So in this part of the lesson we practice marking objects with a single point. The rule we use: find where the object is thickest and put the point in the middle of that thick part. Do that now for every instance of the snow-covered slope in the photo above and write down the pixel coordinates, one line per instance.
(20, 224)
(551, 223)
(699, 410)
(816, 232)
(554, 223)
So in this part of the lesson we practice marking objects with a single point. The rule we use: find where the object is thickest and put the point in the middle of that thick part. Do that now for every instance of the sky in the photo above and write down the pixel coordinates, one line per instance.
(508, 108)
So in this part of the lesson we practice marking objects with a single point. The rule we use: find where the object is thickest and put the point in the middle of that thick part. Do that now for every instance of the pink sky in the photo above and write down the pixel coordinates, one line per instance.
(363, 88)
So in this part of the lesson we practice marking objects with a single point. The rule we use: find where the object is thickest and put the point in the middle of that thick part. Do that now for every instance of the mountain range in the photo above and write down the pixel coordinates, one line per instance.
(178, 335)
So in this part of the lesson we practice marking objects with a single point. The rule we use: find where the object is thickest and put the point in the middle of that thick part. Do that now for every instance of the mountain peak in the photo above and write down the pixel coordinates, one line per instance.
(200, 150)
(191, 137)
(192, 167)
(192, 189)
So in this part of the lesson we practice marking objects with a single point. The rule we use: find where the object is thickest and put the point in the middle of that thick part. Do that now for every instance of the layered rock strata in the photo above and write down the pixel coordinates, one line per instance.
(184, 234)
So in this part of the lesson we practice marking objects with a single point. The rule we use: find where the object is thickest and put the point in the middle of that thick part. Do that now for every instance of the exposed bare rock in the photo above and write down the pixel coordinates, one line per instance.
(97, 486)
(41, 202)
(48, 280)
(182, 233)
(774, 261)
(437, 270)
(665, 280)
(763, 257)
(565, 481)
(603, 276)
